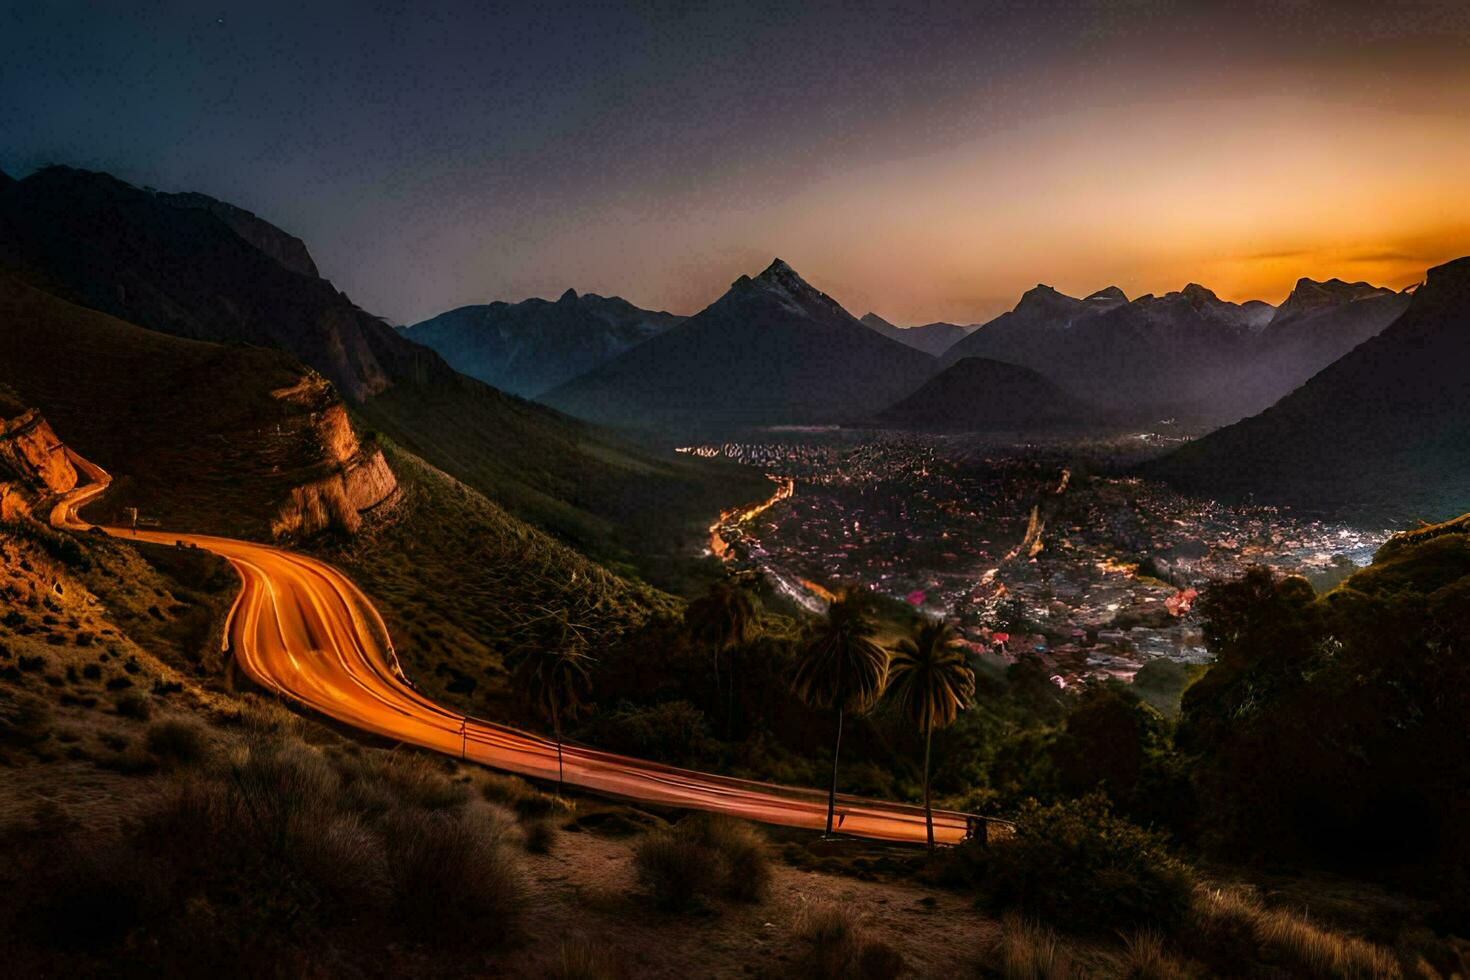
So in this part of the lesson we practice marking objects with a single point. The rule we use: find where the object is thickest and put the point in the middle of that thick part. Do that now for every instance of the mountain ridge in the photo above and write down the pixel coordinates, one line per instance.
(771, 349)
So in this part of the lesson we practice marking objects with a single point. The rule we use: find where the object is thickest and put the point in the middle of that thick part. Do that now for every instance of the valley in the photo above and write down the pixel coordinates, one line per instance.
(1044, 547)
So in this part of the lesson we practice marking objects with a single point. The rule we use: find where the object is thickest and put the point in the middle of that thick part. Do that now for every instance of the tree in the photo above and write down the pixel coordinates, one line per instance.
(724, 617)
(843, 667)
(931, 683)
(555, 681)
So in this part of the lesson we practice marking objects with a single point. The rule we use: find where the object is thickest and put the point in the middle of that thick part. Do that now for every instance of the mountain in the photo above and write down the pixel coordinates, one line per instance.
(1383, 434)
(1317, 324)
(1188, 353)
(772, 349)
(529, 347)
(1041, 320)
(977, 394)
(146, 259)
(931, 338)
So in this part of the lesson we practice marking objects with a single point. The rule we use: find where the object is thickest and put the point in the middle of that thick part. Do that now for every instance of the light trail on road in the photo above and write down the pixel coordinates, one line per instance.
(301, 629)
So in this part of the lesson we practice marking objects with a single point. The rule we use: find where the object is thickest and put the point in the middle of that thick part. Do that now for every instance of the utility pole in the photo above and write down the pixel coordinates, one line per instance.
(133, 513)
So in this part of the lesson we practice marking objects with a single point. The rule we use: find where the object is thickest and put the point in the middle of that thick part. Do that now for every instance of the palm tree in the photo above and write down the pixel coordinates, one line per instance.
(932, 684)
(555, 681)
(843, 667)
(724, 617)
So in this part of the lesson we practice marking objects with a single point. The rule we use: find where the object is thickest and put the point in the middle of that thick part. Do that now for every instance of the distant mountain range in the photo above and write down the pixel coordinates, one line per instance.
(931, 338)
(978, 394)
(1187, 354)
(197, 268)
(1383, 433)
(771, 350)
(530, 347)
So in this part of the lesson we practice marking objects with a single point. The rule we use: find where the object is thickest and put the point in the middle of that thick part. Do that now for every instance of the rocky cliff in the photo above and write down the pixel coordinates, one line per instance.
(33, 463)
(353, 478)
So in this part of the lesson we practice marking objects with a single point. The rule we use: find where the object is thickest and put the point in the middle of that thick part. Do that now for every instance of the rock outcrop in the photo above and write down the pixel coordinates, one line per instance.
(354, 478)
(33, 464)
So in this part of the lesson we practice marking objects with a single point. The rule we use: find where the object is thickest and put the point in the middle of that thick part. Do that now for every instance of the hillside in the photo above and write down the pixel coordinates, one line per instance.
(771, 350)
(529, 347)
(977, 394)
(1383, 434)
(185, 270)
(931, 338)
(200, 436)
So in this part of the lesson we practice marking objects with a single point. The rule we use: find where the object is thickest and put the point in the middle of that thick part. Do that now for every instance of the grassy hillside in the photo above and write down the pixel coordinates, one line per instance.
(189, 430)
(462, 584)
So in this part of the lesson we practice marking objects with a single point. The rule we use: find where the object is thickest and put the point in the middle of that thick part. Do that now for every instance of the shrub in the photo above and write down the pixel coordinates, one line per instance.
(1029, 951)
(704, 855)
(675, 732)
(248, 865)
(838, 948)
(133, 705)
(539, 836)
(177, 740)
(24, 718)
(454, 881)
(1081, 867)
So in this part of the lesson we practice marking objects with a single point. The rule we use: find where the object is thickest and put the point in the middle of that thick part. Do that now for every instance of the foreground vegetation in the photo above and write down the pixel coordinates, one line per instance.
(233, 837)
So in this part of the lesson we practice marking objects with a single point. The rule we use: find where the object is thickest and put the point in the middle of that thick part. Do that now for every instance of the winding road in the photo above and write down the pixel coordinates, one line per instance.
(301, 628)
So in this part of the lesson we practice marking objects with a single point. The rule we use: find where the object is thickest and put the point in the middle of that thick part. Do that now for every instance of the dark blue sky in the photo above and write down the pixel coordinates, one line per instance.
(433, 155)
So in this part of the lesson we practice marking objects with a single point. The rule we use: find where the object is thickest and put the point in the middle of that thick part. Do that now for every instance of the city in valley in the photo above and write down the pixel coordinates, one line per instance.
(1030, 546)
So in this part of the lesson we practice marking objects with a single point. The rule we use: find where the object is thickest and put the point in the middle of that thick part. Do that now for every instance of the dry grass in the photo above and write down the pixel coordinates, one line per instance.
(1230, 922)
(838, 947)
(1027, 950)
(578, 959)
(1146, 957)
(701, 857)
(256, 858)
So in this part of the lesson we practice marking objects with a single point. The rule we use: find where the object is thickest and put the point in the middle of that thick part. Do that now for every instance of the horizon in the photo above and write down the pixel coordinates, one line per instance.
(1075, 145)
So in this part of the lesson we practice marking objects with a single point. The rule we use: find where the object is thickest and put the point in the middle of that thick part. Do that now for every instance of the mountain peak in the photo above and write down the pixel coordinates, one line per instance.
(1109, 293)
(872, 319)
(568, 297)
(1197, 293)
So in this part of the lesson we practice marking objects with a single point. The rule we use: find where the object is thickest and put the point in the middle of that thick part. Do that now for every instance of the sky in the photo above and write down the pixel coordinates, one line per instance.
(924, 161)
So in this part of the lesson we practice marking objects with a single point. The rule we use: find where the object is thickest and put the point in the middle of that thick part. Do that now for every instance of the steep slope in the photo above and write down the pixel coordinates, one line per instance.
(1318, 323)
(1383, 434)
(184, 270)
(196, 435)
(771, 350)
(931, 338)
(977, 394)
(529, 347)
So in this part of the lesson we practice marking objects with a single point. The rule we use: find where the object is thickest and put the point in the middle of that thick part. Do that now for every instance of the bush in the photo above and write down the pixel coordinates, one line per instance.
(251, 862)
(134, 706)
(838, 949)
(1077, 865)
(675, 732)
(703, 856)
(1029, 951)
(539, 836)
(453, 879)
(177, 740)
